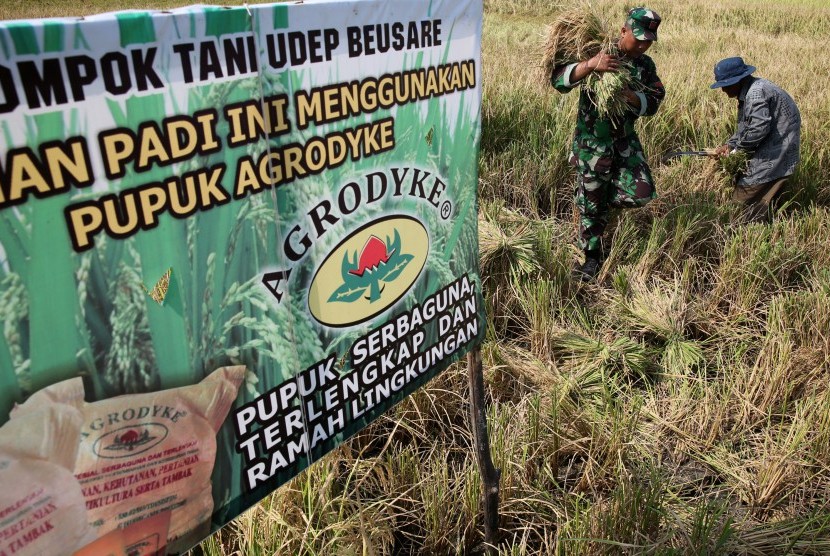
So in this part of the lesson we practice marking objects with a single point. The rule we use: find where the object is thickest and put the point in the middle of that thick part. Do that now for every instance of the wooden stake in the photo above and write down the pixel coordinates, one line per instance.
(490, 476)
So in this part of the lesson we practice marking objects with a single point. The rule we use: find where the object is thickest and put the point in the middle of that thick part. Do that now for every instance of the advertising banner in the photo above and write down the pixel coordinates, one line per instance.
(230, 238)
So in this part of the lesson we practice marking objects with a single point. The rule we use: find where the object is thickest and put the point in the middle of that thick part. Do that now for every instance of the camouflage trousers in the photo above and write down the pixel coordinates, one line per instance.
(610, 175)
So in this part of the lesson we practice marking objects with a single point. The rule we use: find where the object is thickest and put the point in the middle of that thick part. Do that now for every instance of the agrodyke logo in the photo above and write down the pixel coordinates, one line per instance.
(369, 271)
(378, 263)
(129, 441)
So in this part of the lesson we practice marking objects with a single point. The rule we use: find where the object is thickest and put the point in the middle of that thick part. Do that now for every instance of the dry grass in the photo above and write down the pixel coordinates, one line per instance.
(576, 34)
(21, 9)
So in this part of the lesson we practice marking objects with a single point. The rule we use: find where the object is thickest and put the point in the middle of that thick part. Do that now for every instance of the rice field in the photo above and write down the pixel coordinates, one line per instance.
(677, 406)
(680, 404)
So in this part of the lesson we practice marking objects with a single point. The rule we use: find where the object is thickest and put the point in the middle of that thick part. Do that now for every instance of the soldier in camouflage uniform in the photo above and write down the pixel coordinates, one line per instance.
(610, 165)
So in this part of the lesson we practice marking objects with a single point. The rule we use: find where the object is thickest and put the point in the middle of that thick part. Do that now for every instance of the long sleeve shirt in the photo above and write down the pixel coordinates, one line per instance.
(769, 128)
(590, 127)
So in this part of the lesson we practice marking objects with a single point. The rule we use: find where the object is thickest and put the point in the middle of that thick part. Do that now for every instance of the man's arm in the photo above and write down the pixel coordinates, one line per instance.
(731, 142)
(727, 147)
(566, 77)
(648, 100)
(758, 122)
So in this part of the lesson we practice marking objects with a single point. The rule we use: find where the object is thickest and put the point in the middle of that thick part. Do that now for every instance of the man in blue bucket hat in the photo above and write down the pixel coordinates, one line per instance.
(769, 131)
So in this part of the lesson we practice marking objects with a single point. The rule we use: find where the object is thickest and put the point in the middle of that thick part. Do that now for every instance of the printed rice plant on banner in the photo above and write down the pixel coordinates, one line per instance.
(230, 238)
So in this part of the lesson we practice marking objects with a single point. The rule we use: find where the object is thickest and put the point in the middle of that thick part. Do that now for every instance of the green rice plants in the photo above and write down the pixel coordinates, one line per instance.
(637, 507)
(537, 303)
(712, 528)
(607, 88)
(804, 534)
(130, 362)
(682, 355)
(13, 377)
(626, 521)
(575, 534)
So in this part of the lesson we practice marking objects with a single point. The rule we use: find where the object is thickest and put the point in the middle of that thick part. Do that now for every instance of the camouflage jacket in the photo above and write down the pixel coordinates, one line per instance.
(590, 128)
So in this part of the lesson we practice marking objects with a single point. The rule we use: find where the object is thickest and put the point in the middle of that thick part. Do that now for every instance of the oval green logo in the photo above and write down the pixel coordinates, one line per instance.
(369, 271)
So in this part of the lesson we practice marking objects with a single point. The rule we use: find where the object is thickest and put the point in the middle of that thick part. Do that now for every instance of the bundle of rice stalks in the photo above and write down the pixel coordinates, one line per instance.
(608, 87)
(507, 242)
(579, 34)
(733, 165)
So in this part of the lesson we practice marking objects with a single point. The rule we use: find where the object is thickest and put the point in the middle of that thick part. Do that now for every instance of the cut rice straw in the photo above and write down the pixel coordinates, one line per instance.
(579, 34)
(576, 35)
(734, 165)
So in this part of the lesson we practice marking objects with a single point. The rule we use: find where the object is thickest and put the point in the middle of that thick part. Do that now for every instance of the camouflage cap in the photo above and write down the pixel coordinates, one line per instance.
(643, 23)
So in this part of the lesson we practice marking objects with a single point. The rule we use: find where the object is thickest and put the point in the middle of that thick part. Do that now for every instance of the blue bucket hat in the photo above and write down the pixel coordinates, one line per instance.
(729, 71)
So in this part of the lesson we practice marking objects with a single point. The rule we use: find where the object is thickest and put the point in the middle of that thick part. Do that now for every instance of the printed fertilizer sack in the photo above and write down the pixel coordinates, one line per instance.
(42, 508)
(143, 455)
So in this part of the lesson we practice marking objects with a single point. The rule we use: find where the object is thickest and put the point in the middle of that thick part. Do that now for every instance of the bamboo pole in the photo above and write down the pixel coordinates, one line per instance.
(490, 476)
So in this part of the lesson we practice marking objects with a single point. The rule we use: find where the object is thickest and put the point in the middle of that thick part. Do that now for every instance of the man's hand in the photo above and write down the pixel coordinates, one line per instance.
(631, 98)
(603, 62)
(723, 150)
